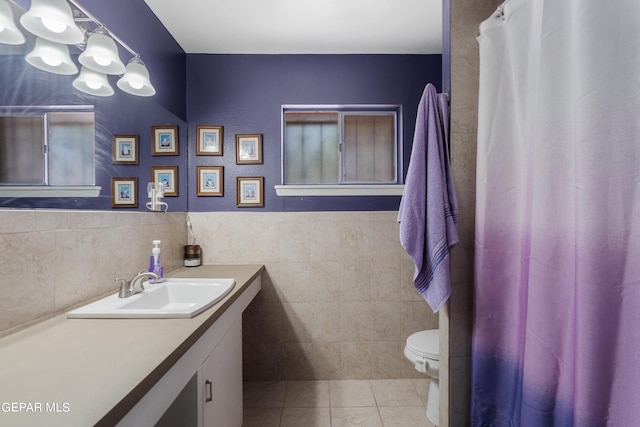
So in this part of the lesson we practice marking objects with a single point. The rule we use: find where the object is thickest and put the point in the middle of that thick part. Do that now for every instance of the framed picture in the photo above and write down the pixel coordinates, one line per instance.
(210, 180)
(124, 193)
(209, 140)
(168, 175)
(250, 191)
(124, 149)
(249, 149)
(164, 140)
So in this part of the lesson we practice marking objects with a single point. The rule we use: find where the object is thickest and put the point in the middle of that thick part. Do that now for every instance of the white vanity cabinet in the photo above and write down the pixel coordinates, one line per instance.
(221, 377)
(215, 360)
(132, 372)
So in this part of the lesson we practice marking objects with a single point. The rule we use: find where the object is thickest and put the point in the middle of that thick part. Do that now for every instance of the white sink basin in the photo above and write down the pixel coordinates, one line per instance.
(173, 298)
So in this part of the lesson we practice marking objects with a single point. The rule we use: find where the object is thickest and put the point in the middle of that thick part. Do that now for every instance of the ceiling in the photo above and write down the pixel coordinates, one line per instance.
(303, 26)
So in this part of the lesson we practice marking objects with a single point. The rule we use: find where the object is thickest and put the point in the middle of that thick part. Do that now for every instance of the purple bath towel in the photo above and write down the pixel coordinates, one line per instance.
(428, 210)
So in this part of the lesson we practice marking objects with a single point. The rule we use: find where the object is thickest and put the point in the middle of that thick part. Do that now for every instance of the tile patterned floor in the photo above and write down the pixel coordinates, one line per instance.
(336, 403)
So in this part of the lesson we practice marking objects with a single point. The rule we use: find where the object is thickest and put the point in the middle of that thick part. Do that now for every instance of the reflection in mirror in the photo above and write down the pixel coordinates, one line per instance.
(30, 91)
(47, 147)
(21, 150)
(71, 148)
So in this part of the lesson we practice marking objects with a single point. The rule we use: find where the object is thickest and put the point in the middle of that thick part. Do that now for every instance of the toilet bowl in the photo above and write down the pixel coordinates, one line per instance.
(422, 350)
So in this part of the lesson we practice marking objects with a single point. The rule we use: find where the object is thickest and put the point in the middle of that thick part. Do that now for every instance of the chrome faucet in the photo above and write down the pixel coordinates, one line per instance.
(135, 285)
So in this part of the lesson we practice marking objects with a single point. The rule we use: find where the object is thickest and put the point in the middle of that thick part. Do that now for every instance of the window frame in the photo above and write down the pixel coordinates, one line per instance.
(47, 190)
(344, 188)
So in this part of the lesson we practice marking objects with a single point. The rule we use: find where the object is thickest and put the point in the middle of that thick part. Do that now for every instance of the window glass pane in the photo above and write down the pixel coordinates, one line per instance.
(71, 148)
(311, 148)
(369, 148)
(21, 152)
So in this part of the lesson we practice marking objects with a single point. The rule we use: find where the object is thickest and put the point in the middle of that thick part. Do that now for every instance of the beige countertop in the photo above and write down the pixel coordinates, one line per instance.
(84, 372)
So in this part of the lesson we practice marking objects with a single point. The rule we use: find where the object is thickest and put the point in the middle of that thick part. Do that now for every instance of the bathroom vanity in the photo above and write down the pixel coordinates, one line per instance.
(131, 372)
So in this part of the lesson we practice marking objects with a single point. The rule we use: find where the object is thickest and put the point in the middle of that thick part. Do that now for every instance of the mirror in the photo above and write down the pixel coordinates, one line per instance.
(26, 88)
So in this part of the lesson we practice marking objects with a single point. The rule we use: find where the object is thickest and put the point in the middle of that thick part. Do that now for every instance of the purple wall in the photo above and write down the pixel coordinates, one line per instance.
(140, 29)
(244, 94)
(121, 113)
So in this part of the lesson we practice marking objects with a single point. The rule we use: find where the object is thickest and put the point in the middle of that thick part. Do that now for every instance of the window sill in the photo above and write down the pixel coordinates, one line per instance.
(339, 190)
(49, 191)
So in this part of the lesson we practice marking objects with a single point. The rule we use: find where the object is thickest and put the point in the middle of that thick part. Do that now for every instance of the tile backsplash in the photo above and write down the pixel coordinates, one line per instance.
(337, 300)
(51, 260)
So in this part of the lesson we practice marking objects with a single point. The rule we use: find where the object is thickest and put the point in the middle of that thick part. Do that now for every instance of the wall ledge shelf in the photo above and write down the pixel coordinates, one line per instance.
(340, 190)
(15, 191)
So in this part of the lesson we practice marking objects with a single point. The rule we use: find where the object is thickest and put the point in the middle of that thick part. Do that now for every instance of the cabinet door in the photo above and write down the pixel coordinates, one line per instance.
(222, 377)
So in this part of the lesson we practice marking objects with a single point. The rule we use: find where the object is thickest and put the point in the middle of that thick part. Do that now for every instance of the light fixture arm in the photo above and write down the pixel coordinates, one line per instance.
(91, 18)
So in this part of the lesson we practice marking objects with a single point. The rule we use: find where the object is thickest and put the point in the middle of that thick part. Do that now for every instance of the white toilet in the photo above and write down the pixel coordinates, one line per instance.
(422, 350)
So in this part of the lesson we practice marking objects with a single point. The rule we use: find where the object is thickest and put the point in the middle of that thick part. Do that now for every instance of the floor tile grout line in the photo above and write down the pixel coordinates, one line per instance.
(332, 408)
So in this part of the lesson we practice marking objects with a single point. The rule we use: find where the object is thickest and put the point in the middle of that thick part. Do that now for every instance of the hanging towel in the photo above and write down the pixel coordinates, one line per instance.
(428, 211)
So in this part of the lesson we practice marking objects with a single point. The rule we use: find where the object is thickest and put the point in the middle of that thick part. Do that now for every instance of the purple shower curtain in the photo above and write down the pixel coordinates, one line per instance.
(556, 335)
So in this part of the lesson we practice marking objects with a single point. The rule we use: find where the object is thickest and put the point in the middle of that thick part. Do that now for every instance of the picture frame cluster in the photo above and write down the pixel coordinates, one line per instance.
(125, 151)
(210, 179)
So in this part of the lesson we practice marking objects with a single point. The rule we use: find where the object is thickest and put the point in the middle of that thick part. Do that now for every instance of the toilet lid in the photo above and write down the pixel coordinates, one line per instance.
(425, 343)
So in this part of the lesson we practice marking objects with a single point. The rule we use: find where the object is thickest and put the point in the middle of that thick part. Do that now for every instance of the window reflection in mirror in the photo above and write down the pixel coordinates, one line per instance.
(40, 147)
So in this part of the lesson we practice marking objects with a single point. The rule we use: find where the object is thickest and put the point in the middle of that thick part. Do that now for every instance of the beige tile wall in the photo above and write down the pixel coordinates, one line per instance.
(51, 260)
(456, 318)
(337, 299)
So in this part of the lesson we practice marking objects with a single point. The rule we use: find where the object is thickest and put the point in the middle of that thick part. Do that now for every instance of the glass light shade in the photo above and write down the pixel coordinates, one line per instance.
(51, 57)
(136, 79)
(52, 20)
(93, 83)
(9, 32)
(101, 54)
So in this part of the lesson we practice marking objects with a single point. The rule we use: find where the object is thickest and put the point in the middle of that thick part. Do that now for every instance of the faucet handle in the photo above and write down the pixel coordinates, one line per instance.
(124, 288)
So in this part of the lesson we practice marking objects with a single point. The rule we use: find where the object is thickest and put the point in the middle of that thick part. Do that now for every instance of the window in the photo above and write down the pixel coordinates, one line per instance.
(337, 148)
(42, 151)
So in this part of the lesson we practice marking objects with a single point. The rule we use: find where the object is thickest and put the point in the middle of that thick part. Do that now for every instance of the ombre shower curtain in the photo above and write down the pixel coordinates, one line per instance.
(556, 334)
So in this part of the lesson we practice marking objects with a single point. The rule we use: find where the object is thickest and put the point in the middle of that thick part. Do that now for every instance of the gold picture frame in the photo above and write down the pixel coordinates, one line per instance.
(168, 175)
(124, 192)
(124, 149)
(164, 141)
(209, 140)
(249, 149)
(250, 192)
(210, 180)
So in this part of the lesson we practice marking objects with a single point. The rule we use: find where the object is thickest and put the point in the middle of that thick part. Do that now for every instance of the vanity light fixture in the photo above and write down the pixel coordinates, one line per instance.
(146, 89)
(52, 20)
(93, 83)
(101, 53)
(136, 79)
(9, 32)
(58, 23)
(52, 57)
